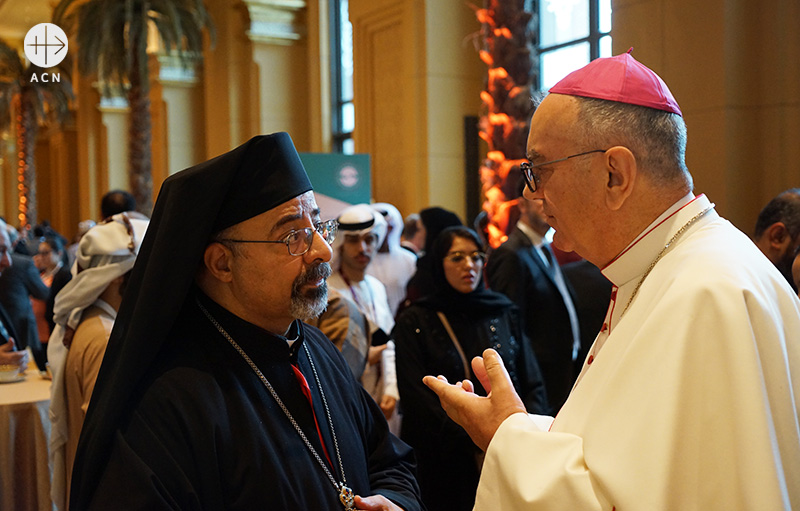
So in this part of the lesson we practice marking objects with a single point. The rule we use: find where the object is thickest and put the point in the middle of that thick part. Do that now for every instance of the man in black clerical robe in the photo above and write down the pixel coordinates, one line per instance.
(210, 378)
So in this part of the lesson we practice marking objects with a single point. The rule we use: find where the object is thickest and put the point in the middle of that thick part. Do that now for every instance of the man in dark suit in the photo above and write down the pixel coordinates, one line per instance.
(8, 355)
(17, 284)
(525, 269)
(592, 294)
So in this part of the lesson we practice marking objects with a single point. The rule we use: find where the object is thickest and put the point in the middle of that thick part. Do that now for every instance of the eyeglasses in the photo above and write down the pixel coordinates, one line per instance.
(459, 257)
(44, 252)
(533, 180)
(299, 241)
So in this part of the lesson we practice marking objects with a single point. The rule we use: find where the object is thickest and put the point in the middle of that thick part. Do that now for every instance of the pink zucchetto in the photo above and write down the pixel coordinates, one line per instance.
(620, 79)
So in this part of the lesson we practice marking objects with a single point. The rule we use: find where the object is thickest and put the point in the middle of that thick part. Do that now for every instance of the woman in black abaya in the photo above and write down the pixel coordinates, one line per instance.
(440, 334)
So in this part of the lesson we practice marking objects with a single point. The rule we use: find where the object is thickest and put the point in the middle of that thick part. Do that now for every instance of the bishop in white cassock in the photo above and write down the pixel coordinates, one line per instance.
(688, 399)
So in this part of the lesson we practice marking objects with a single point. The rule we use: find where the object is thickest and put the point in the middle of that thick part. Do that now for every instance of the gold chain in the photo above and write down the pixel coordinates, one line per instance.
(346, 495)
(664, 251)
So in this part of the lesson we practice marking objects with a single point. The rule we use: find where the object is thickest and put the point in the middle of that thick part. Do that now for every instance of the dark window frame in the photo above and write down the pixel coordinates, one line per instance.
(339, 135)
(594, 37)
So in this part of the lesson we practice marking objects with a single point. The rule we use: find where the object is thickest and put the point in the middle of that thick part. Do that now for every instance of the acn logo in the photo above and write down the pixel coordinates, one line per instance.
(46, 45)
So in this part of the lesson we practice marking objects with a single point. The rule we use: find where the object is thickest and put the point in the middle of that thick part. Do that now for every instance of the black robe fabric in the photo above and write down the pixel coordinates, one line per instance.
(203, 431)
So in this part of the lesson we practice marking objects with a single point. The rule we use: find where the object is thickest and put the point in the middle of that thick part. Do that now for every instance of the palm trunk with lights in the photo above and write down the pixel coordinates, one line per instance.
(27, 128)
(139, 136)
(508, 108)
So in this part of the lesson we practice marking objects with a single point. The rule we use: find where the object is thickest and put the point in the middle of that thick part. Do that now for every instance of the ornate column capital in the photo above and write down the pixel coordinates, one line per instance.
(174, 70)
(274, 21)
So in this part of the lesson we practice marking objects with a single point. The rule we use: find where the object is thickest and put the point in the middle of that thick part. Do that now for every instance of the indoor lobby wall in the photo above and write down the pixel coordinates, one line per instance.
(416, 77)
(257, 77)
(732, 66)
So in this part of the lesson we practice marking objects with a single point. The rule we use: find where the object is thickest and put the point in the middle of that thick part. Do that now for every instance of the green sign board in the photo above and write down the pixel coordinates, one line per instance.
(345, 177)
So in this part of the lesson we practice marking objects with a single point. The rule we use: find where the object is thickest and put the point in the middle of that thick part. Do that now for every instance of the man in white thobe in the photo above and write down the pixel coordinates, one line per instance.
(363, 231)
(392, 265)
(688, 399)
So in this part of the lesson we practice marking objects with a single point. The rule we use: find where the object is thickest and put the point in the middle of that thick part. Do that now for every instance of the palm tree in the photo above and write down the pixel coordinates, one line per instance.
(111, 36)
(507, 108)
(31, 102)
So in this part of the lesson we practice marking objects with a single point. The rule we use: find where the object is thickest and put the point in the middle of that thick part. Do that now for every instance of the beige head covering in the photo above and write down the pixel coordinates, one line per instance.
(105, 252)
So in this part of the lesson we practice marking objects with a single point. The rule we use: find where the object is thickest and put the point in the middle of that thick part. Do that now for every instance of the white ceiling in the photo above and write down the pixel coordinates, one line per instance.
(18, 16)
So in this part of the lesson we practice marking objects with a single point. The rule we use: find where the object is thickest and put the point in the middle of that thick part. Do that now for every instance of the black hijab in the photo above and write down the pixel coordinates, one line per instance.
(434, 219)
(445, 298)
(192, 206)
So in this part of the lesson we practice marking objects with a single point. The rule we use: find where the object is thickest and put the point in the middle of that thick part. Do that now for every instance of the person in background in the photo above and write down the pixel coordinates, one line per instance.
(796, 273)
(213, 394)
(116, 201)
(439, 334)
(72, 248)
(85, 310)
(51, 262)
(525, 269)
(591, 293)
(434, 220)
(392, 265)
(777, 231)
(688, 398)
(413, 237)
(361, 232)
(9, 355)
(348, 329)
(18, 284)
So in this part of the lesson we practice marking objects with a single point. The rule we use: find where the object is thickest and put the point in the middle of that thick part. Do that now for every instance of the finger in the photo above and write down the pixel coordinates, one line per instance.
(497, 376)
(438, 384)
(479, 368)
(375, 503)
(365, 503)
(468, 386)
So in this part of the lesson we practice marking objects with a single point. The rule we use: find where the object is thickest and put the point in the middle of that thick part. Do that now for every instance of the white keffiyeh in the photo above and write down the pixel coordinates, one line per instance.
(105, 252)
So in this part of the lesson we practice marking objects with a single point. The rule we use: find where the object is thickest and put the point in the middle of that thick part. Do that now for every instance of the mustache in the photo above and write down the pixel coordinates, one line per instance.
(321, 270)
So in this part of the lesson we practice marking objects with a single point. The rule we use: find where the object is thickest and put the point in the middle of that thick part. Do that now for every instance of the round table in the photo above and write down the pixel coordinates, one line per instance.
(24, 437)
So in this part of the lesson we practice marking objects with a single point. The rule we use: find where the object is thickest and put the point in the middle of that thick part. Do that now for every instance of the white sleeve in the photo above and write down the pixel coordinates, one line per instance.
(528, 468)
(389, 371)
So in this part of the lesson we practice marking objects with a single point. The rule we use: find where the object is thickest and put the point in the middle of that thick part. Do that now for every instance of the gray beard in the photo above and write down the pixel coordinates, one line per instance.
(311, 303)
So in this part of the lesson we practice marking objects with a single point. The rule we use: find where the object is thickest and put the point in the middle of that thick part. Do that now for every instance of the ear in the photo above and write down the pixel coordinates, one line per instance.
(622, 172)
(217, 260)
(778, 235)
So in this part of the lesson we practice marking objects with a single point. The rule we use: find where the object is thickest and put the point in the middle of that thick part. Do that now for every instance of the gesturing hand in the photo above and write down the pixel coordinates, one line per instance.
(479, 416)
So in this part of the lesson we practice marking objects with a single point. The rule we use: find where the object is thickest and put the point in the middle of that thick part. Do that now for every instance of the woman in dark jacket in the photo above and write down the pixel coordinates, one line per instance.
(440, 334)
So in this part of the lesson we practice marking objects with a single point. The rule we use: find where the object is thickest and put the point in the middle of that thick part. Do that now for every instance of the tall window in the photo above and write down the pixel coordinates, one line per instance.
(343, 114)
(571, 34)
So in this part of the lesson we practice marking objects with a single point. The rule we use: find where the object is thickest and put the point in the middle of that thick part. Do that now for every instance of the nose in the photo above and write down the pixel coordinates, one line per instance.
(5, 261)
(320, 249)
(529, 195)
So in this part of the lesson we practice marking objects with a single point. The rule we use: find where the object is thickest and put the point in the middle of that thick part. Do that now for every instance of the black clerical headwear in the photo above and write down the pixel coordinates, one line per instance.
(192, 206)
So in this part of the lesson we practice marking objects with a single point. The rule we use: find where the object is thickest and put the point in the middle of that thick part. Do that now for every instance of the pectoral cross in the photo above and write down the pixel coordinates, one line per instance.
(347, 498)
